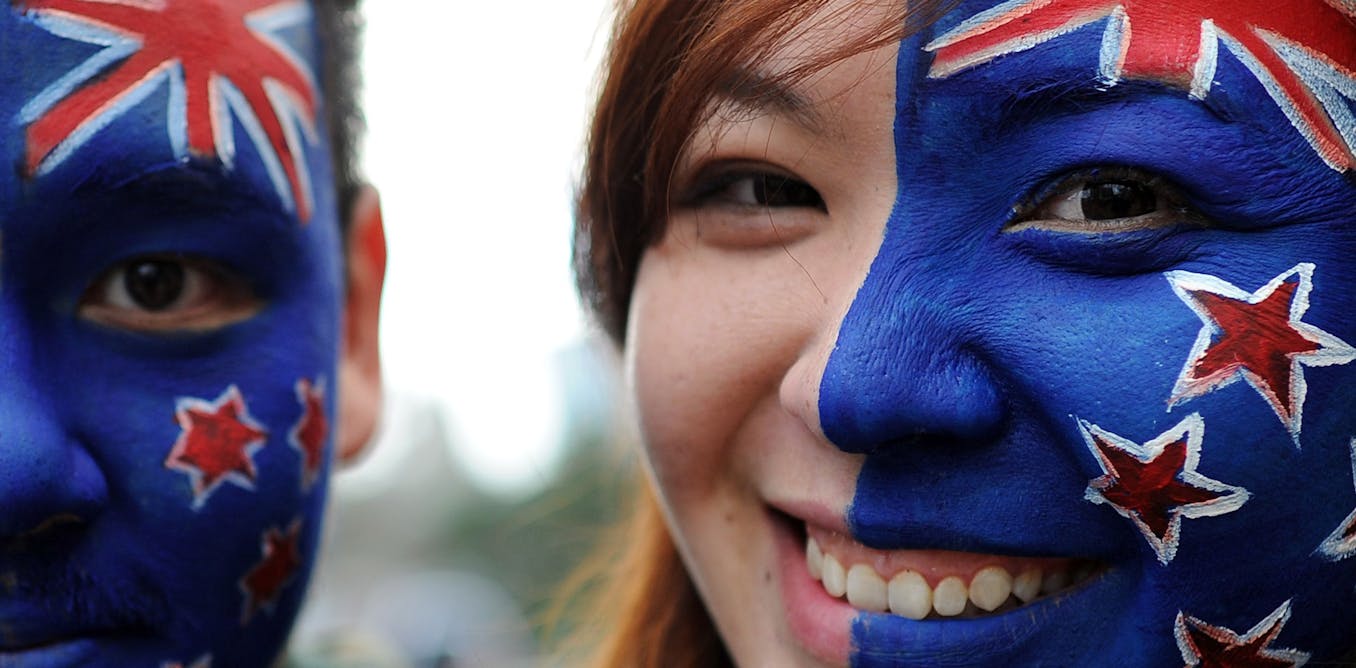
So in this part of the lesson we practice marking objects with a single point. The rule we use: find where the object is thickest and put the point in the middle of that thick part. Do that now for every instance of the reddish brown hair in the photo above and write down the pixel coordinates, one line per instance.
(667, 60)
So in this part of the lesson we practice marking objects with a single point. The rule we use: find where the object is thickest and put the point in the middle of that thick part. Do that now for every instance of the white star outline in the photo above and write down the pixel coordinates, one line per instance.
(181, 407)
(226, 99)
(1332, 350)
(1271, 625)
(1332, 85)
(1341, 543)
(308, 477)
(1193, 428)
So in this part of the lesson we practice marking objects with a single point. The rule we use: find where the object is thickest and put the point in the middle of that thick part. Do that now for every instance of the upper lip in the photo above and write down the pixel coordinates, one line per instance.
(932, 536)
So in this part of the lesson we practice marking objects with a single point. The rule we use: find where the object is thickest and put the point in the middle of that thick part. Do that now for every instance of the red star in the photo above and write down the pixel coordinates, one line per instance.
(1207, 646)
(1302, 55)
(1341, 543)
(309, 434)
(263, 584)
(1257, 337)
(1155, 485)
(217, 444)
(219, 59)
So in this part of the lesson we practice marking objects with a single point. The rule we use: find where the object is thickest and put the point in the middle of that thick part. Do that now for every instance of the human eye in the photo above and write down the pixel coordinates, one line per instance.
(753, 187)
(1108, 200)
(744, 205)
(163, 293)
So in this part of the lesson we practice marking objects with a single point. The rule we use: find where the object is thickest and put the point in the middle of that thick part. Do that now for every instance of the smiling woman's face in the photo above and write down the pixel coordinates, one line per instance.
(1024, 341)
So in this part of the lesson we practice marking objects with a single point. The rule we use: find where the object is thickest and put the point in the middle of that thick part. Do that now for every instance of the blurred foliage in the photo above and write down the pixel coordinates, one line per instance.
(531, 545)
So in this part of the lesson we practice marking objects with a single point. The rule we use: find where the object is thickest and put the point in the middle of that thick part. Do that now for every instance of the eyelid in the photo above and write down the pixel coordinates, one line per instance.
(714, 177)
(229, 299)
(1177, 203)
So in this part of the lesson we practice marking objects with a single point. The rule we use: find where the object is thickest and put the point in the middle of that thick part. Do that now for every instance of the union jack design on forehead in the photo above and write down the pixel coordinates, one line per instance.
(220, 62)
(1304, 53)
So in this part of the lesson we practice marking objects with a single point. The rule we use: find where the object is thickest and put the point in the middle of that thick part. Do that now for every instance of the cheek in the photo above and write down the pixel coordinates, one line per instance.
(710, 340)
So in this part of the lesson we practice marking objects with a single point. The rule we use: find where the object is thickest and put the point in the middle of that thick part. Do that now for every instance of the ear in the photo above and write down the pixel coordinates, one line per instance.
(360, 392)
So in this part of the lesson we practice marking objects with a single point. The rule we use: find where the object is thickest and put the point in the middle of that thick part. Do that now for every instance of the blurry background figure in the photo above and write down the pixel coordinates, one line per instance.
(496, 461)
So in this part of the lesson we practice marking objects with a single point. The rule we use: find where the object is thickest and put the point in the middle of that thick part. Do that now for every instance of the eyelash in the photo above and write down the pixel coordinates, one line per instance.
(1169, 202)
(713, 184)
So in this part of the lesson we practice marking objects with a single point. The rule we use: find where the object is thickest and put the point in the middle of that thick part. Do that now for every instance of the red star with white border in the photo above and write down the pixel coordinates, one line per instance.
(1302, 56)
(257, 79)
(1257, 337)
(1341, 543)
(204, 661)
(310, 432)
(217, 443)
(1205, 645)
(278, 566)
(1155, 485)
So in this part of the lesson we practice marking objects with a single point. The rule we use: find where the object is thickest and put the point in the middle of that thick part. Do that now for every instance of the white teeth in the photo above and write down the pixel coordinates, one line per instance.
(814, 559)
(835, 580)
(949, 598)
(907, 594)
(865, 589)
(1027, 586)
(1053, 582)
(990, 588)
(910, 595)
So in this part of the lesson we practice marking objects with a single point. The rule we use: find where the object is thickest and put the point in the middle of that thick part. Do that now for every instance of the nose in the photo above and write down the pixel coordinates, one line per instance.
(47, 478)
(906, 369)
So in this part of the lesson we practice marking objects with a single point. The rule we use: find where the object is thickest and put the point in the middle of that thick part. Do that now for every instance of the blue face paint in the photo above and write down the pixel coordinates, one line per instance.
(170, 285)
(1167, 402)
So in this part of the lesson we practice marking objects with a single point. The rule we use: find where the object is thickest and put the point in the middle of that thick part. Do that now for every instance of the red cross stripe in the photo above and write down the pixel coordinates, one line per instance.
(215, 55)
(1305, 56)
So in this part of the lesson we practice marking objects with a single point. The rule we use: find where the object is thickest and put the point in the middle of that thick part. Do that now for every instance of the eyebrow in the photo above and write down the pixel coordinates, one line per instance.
(760, 93)
(1029, 100)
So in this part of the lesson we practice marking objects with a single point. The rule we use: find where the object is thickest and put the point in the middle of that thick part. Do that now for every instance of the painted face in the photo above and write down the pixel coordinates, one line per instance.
(1024, 342)
(170, 278)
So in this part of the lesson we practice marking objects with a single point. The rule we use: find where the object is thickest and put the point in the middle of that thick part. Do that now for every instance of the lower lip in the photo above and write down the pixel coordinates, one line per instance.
(72, 652)
(820, 622)
(835, 632)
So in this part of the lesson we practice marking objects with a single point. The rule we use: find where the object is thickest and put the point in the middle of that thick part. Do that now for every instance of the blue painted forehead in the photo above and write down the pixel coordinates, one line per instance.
(1304, 56)
(123, 80)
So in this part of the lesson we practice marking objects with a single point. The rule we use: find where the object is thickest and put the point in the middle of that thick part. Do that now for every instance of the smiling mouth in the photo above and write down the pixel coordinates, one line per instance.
(934, 584)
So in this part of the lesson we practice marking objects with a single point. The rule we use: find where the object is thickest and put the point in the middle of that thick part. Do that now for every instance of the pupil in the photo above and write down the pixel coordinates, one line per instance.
(1118, 199)
(154, 284)
(780, 191)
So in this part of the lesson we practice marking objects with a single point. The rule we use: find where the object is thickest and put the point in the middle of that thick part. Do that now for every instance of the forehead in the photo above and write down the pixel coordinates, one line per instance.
(189, 96)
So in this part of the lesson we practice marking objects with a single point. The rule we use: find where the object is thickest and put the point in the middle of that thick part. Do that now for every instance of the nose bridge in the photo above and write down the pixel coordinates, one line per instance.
(906, 368)
(47, 478)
